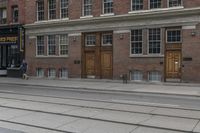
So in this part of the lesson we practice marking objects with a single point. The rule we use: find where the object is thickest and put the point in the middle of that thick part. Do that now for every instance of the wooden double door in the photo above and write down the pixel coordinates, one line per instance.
(173, 64)
(97, 60)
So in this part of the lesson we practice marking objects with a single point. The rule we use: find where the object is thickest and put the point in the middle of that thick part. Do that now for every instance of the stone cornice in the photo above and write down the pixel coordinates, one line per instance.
(143, 15)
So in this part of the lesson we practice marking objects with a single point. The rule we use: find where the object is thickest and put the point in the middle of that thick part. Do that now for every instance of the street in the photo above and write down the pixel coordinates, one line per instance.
(37, 109)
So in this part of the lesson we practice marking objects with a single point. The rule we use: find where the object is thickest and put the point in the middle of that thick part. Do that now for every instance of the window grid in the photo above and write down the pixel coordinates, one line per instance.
(63, 45)
(3, 15)
(108, 6)
(154, 41)
(155, 4)
(51, 45)
(52, 73)
(87, 7)
(52, 9)
(137, 5)
(40, 45)
(63, 73)
(136, 41)
(174, 36)
(107, 39)
(174, 3)
(154, 76)
(90, 40)
(40, 72)
(40, 10)
(64, 5)
(137, 76)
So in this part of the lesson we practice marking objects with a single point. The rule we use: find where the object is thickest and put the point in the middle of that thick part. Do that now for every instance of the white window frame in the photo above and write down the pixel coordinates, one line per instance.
(3, 15)
(86, 40)
(139, 9)
(51, 44)
(37, 46)
(174, 30)
(63, 71)
(49, 11)
(148, 42)
(66, 44)
(158, 75)
(109, 7)
(83, 9)
(15, 8)
(40, 71)
(174, 6)
(67, 8)
(131, 42)
(40, 11)
(102, 44)
(51, 73)
(137, 71)
(149, 4)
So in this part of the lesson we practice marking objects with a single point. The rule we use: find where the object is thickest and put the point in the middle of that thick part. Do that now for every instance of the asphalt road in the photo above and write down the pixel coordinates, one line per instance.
(139, 98)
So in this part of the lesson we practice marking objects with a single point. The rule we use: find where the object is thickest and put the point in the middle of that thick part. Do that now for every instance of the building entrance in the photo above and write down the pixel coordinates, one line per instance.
(97, 55)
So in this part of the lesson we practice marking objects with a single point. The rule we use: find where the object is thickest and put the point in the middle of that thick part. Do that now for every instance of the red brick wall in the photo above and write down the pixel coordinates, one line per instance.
(75, 9)
(120, 8)
(55, 62)
(123, 63)
(191, 3)
(190, 48)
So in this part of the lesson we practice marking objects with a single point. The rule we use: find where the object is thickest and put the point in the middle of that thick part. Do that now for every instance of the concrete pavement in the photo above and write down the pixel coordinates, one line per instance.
(182, 89)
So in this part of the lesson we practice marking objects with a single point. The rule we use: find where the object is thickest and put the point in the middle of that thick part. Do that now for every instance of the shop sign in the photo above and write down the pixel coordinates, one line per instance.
(8, 40)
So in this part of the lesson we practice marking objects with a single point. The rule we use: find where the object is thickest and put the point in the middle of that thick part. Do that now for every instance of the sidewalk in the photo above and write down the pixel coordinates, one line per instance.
(182, 89)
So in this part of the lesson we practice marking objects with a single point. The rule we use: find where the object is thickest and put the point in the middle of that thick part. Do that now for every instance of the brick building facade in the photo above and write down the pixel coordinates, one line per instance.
(12, 34)
(148, 40)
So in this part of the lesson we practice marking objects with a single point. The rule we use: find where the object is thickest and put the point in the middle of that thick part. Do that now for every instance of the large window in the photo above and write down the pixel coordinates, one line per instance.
(40, 45)
(64, 4)
(136, 41)
(52, 9)
(155, 4)
(87, 7)
(90, 40)
(174, 36)
(40, 10)
(154, 41)
(51, 45)
(137, 5)
(15, 14)
(174, 3)
(3, 15)
(107, 6)
(63, 45)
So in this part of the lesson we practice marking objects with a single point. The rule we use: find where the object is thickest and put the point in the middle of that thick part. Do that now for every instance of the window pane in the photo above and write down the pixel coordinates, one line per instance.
(137, 5)
(40, 72)
(136, 41)
(107, 39)
(40, 10)
(154, 41)
(174, 3)
(63, 73)
(64, 44)
(64, 8)
(40, 45)
(154, 76)
(174, 36)
(52, 45)
(87, 7)
(90, 40)
(108, 6)
(52, 73)
(52, 9)
(155, 4)
(136, 75)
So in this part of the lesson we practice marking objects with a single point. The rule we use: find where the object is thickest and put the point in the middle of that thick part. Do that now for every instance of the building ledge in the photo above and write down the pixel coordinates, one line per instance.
(147, 56)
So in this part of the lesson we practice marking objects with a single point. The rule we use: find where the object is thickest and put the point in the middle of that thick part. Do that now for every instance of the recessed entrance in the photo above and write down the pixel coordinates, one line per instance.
(173, 64)
(97, 52)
